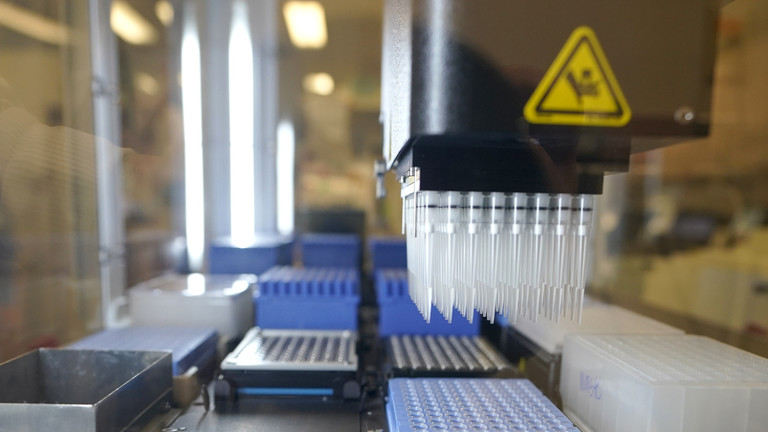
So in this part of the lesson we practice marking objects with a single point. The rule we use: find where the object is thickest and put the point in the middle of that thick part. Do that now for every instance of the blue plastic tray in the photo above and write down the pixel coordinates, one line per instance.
(330, 250)
(256, 258)
(308, 298)
(388, 252)
(436, 404)
(189, 346)
(399, 315)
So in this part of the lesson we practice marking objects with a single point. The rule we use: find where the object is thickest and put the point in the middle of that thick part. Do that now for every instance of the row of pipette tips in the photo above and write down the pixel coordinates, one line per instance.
(515, 254)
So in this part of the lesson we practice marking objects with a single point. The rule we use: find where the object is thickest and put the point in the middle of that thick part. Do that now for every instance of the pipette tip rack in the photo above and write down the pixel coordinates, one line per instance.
(399, 315)
(189, 346)
(308, 298)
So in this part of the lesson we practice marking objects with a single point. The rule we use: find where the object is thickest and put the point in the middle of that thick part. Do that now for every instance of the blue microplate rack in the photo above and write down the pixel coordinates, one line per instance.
(399, 315)
(455, 404)
(189, 346)
(308, 298)
(330, 250)
(265, 252)
(388, 252)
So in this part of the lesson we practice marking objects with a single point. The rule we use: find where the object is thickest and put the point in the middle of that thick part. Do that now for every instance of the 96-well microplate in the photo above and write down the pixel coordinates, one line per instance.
(471, 404)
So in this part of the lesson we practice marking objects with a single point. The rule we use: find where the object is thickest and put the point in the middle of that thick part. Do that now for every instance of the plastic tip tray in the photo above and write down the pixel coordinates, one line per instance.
(189, 346)
(641, 383)
(388, 252)
(325, 250)
(391, 285)
(310, 282)
(256, 258)
(308, 298)
(399, 315)
(456, 404)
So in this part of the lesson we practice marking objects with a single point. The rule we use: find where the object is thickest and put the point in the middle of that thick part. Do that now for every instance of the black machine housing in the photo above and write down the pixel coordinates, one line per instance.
(457, 74)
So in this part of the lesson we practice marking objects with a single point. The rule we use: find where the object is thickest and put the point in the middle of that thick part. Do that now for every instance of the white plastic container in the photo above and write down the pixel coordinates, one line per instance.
(671, 383)
(597, 318)
(222, 302)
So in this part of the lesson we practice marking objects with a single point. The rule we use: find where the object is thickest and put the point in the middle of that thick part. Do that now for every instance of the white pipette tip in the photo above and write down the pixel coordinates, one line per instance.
(517, 254)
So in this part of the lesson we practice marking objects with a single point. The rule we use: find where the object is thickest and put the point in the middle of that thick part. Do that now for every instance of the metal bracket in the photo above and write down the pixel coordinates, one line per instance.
(411, 182)
(379, 169)
(102, 88)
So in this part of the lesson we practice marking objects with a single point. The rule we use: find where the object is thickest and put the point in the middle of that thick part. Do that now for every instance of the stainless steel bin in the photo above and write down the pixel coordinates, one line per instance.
(83, 390)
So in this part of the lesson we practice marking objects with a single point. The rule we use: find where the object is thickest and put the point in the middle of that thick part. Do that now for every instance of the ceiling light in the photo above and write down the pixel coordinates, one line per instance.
(130, 25)
(306, 24)
(164, 12)
(319, 83)
(33, 25)
(146, 83)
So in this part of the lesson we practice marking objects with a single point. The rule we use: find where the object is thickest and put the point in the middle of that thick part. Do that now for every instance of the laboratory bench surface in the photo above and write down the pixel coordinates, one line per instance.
(262, 415)
(279, 414)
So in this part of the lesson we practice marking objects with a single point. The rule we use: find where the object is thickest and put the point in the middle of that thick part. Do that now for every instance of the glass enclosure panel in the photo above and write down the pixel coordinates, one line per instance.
(49, 275)
(151, 122)
(333, 94)
(684, 233)
(681, 237)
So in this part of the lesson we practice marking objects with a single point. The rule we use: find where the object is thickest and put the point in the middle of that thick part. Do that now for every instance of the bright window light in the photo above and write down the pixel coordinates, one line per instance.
(191, 104)
(164, 12)
(286, 143)
(306, 24)
(130, 25)
(319, 83)
(241, 128)
(33, 25)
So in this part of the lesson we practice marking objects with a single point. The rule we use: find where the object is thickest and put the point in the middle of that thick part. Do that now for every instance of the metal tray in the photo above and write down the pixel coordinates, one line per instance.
(292, 363)
(83, 390)
(438, 355)
(306, 350)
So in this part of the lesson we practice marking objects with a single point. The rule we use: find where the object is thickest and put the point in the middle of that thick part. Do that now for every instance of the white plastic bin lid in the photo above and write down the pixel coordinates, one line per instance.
(196, 285)
(675, 383)
(597, 318)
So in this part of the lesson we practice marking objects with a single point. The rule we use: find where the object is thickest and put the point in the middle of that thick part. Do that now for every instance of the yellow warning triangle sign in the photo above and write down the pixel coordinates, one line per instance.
(579, 88)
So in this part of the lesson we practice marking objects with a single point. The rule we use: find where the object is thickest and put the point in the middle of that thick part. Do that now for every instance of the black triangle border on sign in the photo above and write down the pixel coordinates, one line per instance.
(618, 113)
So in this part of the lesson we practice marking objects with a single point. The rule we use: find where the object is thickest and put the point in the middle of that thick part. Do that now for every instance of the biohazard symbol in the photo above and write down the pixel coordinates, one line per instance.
(579, 88)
